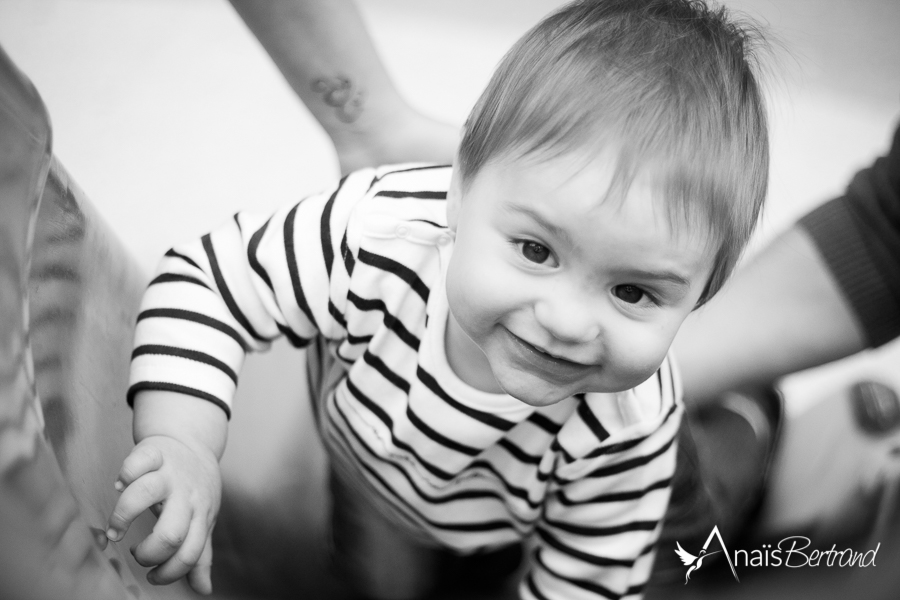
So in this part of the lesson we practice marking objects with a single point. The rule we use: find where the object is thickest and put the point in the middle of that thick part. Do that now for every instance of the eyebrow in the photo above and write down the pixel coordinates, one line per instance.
(535, 216)
(669, 276)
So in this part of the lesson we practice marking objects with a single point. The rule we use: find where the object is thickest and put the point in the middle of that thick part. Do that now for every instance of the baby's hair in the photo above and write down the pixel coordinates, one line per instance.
(667, 85)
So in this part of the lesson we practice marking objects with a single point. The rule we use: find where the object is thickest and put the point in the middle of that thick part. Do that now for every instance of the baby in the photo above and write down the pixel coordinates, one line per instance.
(487, 342)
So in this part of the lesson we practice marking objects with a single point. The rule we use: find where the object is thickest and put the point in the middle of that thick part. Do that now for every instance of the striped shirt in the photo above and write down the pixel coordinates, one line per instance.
(363, 266)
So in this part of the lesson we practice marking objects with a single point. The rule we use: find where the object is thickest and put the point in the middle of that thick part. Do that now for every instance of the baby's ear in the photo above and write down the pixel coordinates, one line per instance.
(454, 199)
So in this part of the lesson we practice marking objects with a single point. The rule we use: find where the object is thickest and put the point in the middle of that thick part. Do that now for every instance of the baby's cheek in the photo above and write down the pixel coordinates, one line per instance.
(640, 356)
(476, 283)
(473, 302)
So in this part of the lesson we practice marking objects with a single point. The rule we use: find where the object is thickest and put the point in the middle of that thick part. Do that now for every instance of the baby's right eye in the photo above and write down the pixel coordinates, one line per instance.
(630, 294)
(535, 252)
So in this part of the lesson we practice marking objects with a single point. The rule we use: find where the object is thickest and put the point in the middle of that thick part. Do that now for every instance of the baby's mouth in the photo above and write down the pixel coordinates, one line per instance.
(555, 356)
(546, 355)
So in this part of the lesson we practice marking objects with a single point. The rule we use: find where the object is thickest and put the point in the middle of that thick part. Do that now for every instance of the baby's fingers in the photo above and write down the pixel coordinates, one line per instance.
(137, 497)
(169, 533)
(187, 556)
(200, 576)
(142, 460)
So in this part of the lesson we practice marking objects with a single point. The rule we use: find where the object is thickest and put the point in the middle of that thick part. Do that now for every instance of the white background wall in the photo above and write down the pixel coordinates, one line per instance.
(171, 117)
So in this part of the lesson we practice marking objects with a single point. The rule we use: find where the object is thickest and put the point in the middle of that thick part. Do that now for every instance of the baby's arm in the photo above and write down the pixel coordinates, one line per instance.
(174, 464)
(600, 526)
(214, 299)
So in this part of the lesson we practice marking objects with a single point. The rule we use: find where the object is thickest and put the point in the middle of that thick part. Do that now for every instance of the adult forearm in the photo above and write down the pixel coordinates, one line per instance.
(324, 52)
(781, 313)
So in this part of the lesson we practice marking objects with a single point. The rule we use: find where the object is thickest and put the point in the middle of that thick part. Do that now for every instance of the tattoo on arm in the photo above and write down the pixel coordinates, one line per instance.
(339, 92)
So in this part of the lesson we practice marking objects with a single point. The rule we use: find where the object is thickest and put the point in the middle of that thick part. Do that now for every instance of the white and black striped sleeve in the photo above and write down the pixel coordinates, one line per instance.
(243, 285)
(597, 534)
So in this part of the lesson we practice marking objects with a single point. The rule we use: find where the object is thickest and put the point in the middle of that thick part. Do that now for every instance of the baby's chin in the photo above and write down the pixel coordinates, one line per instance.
(535, 395)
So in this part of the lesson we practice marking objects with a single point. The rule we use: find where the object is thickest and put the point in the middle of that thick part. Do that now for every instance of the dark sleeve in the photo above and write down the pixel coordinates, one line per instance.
(858, 235)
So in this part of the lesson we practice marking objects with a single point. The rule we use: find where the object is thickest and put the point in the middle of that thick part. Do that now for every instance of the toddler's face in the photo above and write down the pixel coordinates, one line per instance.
(561, 291)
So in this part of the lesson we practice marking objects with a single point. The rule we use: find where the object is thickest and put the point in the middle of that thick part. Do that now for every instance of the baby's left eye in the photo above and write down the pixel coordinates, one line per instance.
(629, 293)
(535, 252)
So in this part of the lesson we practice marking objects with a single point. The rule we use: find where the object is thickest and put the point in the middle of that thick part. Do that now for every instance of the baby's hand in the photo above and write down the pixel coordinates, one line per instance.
(184, 487)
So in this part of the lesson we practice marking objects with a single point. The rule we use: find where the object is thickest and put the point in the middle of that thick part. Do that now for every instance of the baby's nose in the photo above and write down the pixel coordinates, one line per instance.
(569, 321)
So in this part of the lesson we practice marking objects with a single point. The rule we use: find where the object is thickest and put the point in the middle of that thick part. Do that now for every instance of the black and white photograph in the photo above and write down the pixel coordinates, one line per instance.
(449, 300)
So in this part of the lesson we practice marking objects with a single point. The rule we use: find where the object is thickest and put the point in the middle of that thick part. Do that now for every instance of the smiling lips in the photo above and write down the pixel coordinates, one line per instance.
(545, 364)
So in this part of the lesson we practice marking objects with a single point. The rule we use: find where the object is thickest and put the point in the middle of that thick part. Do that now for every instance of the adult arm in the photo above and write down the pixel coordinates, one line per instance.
(781, 313)
(826, 289)
(326, 55)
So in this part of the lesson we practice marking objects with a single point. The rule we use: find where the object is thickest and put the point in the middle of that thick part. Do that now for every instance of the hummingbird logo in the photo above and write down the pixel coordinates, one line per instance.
(696, 561)
(689, 559)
